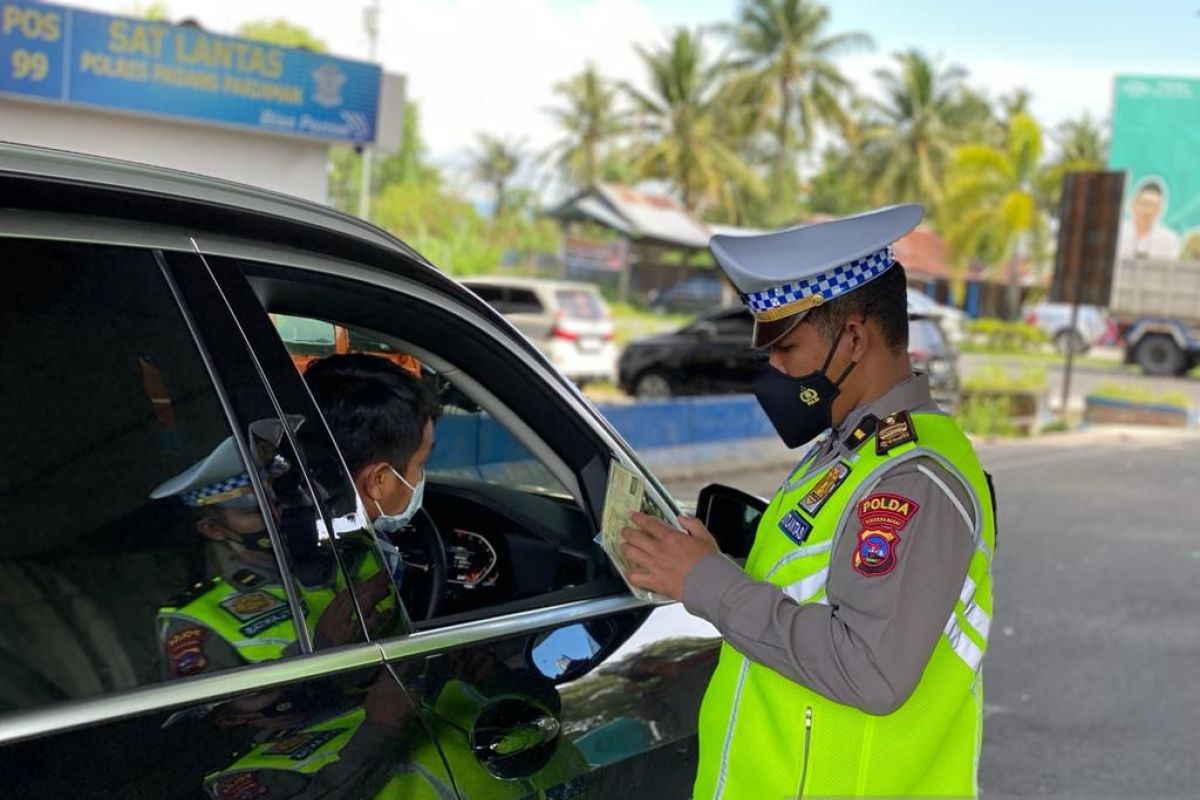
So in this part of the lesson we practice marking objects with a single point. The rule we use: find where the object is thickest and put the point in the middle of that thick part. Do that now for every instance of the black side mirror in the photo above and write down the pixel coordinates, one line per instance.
(732, 516)
(564, 654)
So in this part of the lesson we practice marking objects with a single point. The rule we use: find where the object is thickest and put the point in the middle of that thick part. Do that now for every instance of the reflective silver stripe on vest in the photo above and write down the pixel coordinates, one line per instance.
(968, 591)
(799, 552)
(803, 589)
(737, 698)
(979, 619)
(964, 647)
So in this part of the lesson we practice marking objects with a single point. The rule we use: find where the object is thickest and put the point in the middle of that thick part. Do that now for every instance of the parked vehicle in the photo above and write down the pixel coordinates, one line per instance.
(953, 321)
(1092, 326)
(712, 355)
(569, 322)
(1156, 303)
(691, 295)
(140, 359)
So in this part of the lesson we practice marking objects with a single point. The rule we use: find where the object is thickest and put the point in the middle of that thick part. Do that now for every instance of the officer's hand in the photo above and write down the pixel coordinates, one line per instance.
(661, 557)
(338, 623)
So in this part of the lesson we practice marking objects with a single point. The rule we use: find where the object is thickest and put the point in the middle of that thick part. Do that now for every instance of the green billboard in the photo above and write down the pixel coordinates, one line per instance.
(1156, 141)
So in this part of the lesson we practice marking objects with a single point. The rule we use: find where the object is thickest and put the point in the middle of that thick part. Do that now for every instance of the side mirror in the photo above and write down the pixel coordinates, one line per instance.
(564, 654)
(732, 516)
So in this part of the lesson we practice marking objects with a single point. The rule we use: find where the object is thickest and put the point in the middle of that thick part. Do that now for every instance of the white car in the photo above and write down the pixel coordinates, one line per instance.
(952, 320)
(1092, 327)
(569, 322)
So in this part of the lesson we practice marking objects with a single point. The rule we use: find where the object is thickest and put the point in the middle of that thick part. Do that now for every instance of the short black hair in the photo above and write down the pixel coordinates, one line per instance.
(375, 409)
(1153, 187)
(884, 299)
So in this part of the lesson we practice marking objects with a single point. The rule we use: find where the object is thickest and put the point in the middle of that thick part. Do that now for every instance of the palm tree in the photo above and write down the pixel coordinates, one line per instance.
(494, 164)
(925, 111)
(591, 124)
(684, 133)
(782, 47)
(1082, 147)
(993, 203)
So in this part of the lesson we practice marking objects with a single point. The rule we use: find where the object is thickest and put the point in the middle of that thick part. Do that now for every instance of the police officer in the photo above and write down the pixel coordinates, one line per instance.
(854, 635)
(240, 613)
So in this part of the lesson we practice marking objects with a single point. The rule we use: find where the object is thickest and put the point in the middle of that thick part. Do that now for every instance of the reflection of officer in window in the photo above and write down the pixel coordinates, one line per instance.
(1143, 235)
(240, 614)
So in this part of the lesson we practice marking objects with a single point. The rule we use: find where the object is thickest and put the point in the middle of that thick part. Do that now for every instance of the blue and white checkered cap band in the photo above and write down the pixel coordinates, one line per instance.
(829, 285)
(233, 487)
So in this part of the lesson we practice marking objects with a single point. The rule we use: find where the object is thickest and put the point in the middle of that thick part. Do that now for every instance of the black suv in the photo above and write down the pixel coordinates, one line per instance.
(712, 355)
(150, 649)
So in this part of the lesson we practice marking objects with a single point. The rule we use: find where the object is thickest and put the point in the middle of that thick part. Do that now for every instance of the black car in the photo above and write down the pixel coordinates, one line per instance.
(712, 355)
(691, 295)
(501, 657)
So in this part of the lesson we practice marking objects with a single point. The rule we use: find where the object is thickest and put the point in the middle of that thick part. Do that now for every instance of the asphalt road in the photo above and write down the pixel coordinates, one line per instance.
(1093, 669)
(1084, 378)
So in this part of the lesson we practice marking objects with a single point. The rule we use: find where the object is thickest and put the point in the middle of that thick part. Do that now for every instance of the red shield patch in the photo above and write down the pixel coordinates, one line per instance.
(883, 516)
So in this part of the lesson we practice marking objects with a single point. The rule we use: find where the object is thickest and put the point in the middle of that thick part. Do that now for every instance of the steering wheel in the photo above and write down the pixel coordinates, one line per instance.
(424, 552)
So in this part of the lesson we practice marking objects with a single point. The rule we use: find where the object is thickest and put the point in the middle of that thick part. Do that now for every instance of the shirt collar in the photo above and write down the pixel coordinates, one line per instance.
(910, 394)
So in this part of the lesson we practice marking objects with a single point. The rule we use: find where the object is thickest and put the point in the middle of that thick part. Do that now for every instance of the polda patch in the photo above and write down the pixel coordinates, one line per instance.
(883, 516)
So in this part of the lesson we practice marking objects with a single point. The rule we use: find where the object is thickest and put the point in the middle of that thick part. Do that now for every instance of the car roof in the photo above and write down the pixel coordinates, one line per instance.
(179, 197)
(527, 283)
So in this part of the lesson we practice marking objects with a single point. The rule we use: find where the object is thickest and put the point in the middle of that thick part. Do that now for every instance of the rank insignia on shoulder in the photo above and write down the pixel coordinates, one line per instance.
(795, 527)
(893, 431)
(834, 477)
(247, 578)
(861, 432)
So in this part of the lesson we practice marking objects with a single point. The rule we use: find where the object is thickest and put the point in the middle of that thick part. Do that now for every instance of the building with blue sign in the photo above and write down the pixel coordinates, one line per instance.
(180, 96)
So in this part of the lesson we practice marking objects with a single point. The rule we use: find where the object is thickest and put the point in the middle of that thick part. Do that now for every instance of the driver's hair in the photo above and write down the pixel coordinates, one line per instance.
(375, 409)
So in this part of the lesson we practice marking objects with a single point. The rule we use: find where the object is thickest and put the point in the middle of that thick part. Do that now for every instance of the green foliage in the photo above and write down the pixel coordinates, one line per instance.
(994, 378)
(591, 126)
(986, 416)
(1001, 336)
(1132, 393)
(494, 163)
(154, 11)
(282, 33)
(684, 134)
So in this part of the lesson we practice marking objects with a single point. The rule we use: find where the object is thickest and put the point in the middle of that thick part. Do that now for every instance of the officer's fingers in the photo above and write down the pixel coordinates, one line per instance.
(643, 580)
(651, 525)
(694, 526)
(639, 557)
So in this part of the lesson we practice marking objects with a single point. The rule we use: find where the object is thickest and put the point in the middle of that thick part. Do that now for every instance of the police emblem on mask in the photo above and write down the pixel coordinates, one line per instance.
(809, 397)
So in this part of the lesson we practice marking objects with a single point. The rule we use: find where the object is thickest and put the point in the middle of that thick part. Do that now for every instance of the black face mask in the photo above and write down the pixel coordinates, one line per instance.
(800, 408)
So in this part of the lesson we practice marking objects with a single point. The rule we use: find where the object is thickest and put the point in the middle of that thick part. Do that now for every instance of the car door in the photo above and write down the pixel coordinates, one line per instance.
(734, 361)
(176, 618)
(539, 673)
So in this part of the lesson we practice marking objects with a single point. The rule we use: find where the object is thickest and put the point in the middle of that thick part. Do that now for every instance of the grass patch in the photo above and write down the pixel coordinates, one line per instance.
(987, 416)
(632, 322)
(994, 378)
(1136, 394)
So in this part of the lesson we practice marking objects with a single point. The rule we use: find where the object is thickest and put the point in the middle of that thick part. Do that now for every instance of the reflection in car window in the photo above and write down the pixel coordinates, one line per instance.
(128, 528)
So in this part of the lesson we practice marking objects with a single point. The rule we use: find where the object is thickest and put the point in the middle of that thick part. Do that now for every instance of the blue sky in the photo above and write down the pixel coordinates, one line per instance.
(491, 65)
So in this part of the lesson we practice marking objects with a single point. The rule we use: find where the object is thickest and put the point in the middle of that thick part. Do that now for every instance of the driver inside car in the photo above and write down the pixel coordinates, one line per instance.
(381, 416)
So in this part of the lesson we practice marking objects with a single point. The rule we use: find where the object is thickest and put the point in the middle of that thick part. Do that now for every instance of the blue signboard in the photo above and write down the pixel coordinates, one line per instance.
(65, 55)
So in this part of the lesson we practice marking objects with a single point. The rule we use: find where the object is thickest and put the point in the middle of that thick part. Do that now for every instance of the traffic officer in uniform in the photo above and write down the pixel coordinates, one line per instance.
(853, 637)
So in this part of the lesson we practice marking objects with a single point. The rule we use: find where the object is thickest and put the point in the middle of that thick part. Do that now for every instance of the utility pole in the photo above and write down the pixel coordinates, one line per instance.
(371, 26)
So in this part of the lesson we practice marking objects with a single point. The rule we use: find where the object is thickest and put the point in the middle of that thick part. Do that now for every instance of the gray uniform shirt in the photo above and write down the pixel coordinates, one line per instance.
(869, 646)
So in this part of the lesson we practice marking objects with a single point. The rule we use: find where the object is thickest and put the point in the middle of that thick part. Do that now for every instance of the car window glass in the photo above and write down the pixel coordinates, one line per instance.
(522, 301)
(736, 325)
(579, 304)
(123, 498)
(511, 489)
(488, 294)
(924, 336)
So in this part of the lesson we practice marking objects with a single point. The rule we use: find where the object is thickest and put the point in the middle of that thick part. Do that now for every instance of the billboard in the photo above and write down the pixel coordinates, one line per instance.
(1156, 141)
(79, 58)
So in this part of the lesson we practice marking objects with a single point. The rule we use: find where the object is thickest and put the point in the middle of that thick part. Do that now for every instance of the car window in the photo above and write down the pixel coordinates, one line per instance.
(516, 481)
(123, 496)
(579, 304)
(522, 301)
(492, 295)
(738, 324)
(924, 336)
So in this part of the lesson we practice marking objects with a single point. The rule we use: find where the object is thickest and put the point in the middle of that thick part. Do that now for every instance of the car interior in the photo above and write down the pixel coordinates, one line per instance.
(515, 485)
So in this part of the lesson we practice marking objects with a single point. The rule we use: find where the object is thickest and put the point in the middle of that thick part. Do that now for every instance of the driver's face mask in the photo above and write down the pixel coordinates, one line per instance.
(393, 523)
